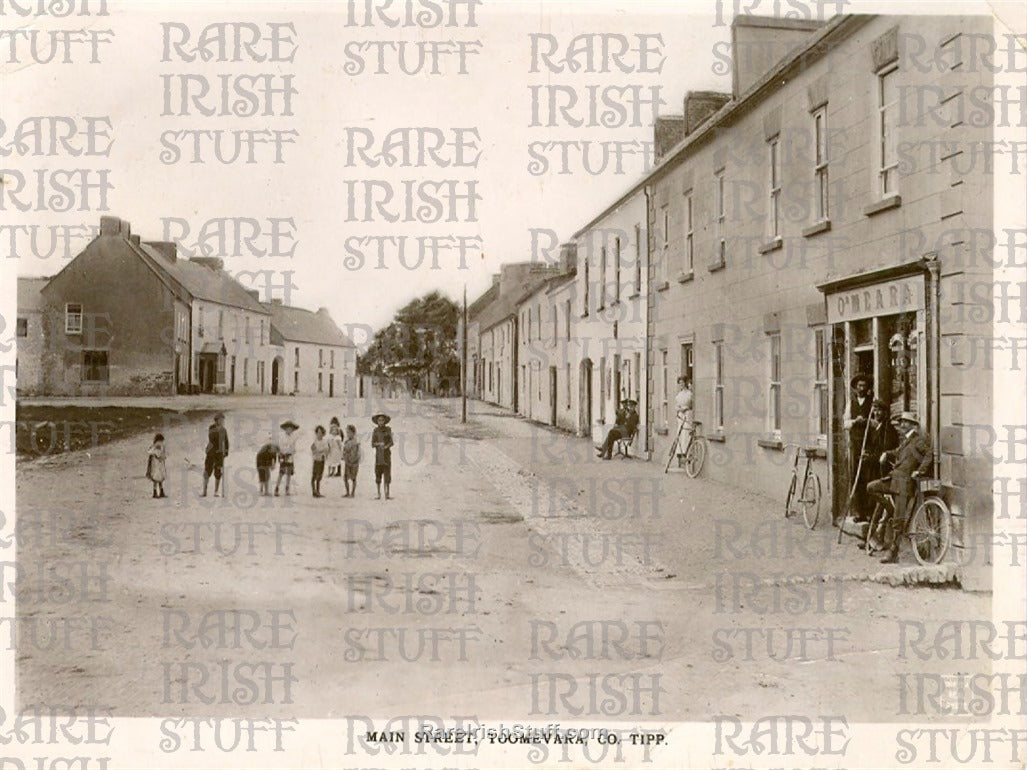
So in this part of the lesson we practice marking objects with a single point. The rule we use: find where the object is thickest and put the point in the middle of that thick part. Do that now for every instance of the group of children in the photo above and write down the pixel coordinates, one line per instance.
(340, 453)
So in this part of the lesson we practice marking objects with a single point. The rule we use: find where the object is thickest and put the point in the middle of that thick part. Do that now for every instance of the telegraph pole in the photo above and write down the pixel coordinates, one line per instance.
(463, 362)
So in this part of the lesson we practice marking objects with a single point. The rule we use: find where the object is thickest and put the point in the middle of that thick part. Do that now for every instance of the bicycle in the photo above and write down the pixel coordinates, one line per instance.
(808, 500)
(929, 529)
(695, 450)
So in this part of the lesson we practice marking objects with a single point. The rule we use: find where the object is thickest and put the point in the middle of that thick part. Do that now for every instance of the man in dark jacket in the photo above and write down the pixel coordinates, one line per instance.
(857, 416)
(216, 452)
(881, 437)
(627, 424)
(913, 458)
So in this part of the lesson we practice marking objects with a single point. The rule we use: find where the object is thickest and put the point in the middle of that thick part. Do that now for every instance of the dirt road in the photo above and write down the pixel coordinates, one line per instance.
(513, 575)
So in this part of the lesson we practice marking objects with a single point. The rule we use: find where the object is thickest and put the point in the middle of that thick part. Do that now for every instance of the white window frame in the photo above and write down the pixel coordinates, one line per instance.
(720, 215)
(718, 387)
(887, 140)
(774, 191)
(69, 315)
(616, 269)
(638, 259)
(689, 234)
(821, 373)
(774, 391)
(821, 158)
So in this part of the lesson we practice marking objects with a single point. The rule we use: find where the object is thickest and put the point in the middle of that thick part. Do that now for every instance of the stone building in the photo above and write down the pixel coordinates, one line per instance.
(311, 355)
(29, 336)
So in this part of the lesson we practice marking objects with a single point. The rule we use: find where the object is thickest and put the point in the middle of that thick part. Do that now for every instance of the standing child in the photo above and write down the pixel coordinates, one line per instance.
(216, 452)
(335, 441)
(266, 457)
(381, 440)
(319, 451)
(351, 457)
(156, 465)
(286, 453)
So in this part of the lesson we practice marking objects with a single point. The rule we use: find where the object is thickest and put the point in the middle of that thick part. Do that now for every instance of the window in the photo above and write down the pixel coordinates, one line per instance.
(887, 112)
(616, 269)
(262, 340)
(296, 357)
(331, 359)
(199, 322)
(774, 205)
(538, 322)
(221, 324)
(584, 295)
(320, 357)
(602, 278)
(568, 381)
(718, 386)
(94, 366)
(527, 326)
(820, 168)
(720, 210)
(567, 320)
(320, 382)
(661, 266)
(821, 409)
(638, 259)
(73, 319)
(295, 382)
(663, 387)
(23, 327)
(556, 323)
(774, 404)
(245, 372)
(638, 377)
(689, 233)
(246, 332)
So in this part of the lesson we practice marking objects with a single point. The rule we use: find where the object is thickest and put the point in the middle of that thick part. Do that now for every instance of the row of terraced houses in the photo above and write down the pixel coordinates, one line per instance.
(815, 223)
(132, 317)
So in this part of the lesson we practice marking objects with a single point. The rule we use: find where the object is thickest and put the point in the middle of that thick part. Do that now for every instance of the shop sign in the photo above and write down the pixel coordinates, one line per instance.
(902, 295)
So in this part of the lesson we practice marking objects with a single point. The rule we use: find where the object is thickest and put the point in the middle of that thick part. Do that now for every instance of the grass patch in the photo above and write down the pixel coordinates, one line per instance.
(50, 430)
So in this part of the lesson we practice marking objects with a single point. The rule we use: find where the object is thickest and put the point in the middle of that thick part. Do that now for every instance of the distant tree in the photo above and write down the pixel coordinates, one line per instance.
(419, 345)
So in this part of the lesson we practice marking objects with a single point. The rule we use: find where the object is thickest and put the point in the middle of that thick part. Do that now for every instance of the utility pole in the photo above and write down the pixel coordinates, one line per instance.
(463, 362)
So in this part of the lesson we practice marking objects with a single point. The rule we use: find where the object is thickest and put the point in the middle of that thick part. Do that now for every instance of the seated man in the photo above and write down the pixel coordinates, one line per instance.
(913, 458)
(625, 427)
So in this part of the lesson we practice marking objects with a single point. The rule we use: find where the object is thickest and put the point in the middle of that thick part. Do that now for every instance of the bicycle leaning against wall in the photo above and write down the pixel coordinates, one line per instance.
(694, 454)
(803, 496)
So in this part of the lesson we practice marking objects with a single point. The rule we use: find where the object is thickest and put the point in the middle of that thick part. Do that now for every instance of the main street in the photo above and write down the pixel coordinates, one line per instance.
(513, 575)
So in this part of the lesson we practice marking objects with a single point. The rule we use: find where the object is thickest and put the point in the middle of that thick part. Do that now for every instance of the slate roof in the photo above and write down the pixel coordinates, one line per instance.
(204, 282)
(29, 298)
(296, 324)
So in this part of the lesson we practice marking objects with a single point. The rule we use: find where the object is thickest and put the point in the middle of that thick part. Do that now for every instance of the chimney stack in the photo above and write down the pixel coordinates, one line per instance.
(668, 130)
(110, 225)
(700, 105)
(568, 257)
(255, 293)
(276, 301)
(134, 239)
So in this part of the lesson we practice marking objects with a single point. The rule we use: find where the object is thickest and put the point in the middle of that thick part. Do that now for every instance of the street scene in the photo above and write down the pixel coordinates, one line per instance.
(510, 554)
(390, 380)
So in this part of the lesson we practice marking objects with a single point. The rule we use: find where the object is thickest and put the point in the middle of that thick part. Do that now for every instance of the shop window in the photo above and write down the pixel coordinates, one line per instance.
(774, 390)
(821, 407)
(94, 366)
(73, 319)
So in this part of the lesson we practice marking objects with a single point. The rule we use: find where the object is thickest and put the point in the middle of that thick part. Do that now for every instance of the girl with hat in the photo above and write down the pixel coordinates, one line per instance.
(381, 440)
(286, 452)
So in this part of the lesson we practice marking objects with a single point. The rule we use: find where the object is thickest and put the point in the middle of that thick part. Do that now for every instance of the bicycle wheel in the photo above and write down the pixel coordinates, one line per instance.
(695, 457)
(810, 500)
(930, 531)
(790, 495)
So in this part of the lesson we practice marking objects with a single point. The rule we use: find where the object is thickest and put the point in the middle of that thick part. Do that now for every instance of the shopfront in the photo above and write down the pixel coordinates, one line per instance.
(881, 325)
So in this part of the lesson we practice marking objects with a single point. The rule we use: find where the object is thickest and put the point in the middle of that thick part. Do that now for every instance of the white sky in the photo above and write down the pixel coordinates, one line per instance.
(309, 186)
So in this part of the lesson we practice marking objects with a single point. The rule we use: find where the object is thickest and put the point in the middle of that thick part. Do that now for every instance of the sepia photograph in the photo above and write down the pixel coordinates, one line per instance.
(506, 384)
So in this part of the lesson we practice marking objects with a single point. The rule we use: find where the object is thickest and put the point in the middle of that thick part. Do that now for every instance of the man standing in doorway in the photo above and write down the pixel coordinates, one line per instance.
(856, 419)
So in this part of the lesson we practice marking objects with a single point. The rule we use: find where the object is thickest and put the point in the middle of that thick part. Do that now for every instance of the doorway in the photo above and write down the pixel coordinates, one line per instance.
(232, 376)
(585, 398)
(331, 385)
(276, 374)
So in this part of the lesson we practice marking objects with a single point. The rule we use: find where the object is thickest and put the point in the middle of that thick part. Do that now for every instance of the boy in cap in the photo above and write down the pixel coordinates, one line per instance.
(381, 440)
(215, 454)
(286, 451)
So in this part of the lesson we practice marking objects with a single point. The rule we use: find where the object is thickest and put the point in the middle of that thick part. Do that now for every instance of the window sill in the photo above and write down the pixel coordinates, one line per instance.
(715, 266)
(686, 277)
(719, 436)
(662, 286)
(772, 245)
(770, 443)
(615, 303)
(820, 227)
(891, 202)
(817, 452)
(661, 431)
(636, 295)
(584, 315)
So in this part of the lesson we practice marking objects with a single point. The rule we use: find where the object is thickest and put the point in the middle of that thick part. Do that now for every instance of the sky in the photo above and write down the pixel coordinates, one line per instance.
(337, 101)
